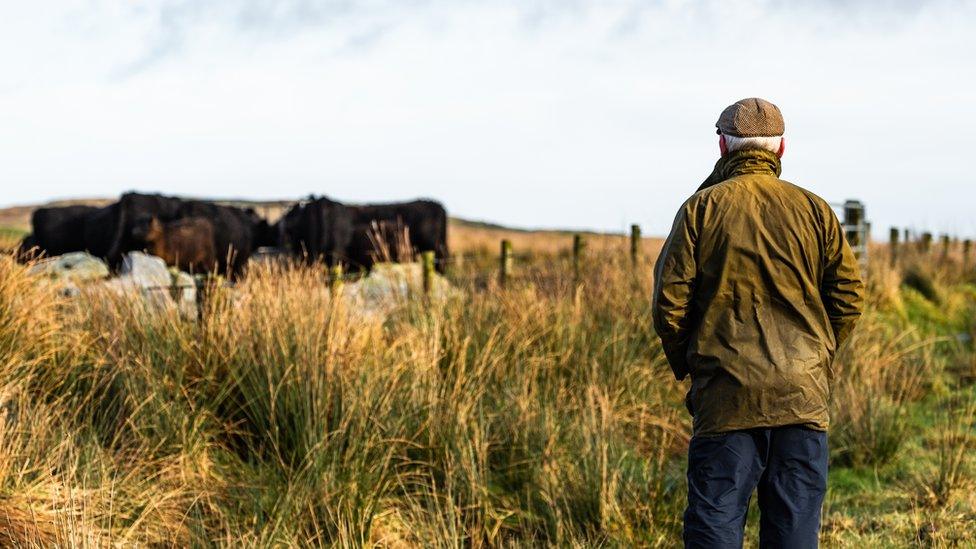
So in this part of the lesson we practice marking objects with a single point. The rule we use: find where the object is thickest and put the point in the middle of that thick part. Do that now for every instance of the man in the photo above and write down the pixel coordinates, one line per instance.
(755, 289)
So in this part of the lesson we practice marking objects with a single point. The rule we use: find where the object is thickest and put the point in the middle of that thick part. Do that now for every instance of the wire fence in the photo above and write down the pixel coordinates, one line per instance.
(852, 213)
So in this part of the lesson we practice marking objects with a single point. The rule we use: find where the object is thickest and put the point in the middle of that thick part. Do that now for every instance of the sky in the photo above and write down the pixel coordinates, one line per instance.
(590, 114)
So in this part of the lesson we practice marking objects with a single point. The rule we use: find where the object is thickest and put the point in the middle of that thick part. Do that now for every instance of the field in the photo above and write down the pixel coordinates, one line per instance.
(541, 413)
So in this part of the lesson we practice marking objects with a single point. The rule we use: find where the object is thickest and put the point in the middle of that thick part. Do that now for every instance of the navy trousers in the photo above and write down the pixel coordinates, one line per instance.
(788, 466)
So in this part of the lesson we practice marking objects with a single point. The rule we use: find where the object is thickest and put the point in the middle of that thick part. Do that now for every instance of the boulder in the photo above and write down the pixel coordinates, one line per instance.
(184, 292)
(391, 284)
(8, 409)
(144, 270)
(149, 277)
(72, 268)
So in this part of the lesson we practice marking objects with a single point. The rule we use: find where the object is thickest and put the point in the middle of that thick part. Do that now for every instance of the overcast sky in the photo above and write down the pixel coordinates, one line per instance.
(568, 113)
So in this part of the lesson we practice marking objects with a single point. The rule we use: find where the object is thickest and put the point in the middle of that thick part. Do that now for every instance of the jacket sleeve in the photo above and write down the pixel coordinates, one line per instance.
(841, 289)
(674, 286)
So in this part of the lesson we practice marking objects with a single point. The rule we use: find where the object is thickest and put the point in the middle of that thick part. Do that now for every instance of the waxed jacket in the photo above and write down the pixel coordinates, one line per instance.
(754, 290)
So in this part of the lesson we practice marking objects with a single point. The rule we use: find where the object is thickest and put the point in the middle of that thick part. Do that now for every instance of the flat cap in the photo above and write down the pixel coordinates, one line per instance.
(752, 117)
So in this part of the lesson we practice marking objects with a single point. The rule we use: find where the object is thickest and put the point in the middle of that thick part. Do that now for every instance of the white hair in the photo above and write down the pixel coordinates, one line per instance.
(771, 144)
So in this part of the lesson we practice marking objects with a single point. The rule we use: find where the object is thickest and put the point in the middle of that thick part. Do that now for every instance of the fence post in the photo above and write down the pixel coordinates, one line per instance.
(854, 229)
(335, 279)
(578, 245)
(966, 250)
(202, 283)
(926, 242)
(893, 234)
(946, 245)
(174, 285)
(505, 263)
(428, 264)
(635, 244)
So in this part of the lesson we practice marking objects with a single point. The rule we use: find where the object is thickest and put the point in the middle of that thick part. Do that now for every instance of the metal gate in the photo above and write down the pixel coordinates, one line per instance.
(857, 228)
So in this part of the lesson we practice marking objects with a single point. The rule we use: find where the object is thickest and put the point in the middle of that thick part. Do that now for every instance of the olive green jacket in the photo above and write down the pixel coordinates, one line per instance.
(753, 292)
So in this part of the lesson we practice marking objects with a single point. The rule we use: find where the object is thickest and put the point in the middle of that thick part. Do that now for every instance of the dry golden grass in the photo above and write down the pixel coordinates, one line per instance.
(537, 414)
(475, 239)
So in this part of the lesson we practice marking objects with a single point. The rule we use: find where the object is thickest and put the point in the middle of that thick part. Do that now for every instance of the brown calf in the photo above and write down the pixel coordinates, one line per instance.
(185, 243)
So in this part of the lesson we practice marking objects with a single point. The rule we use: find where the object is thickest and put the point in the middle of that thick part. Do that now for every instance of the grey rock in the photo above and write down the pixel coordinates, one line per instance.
(72, 267)
(144, 271)
(69, 289)
(160, 288)
(392, 284)
(8, 410)
(185, 293)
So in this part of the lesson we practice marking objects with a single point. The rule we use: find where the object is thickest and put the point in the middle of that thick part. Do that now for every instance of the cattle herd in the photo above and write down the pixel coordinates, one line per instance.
(202, 236)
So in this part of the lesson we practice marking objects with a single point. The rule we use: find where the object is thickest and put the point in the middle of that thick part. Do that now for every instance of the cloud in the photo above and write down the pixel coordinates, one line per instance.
(170, 27)
(590, 113)
(173, 24)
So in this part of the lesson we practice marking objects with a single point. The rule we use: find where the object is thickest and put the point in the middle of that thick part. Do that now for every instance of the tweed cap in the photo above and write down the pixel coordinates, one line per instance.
(752, 117)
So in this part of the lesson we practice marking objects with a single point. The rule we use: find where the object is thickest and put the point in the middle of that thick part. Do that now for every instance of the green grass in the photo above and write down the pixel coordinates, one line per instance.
(10, 237)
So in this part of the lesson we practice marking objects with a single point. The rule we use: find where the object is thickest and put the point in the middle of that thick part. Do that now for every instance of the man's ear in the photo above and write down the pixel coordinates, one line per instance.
(782, 147)
(722, 147)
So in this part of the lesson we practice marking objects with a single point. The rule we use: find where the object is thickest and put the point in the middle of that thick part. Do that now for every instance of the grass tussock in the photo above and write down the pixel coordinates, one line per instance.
(539, 414)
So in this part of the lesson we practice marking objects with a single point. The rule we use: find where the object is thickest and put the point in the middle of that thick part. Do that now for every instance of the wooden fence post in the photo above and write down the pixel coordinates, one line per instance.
(893, 234)
(926, 242)
(967, 246)
(907, 236)
(505, 263)
(635, 244)
(428, 264)
(946, 245)
(578, 245)
(202, 284)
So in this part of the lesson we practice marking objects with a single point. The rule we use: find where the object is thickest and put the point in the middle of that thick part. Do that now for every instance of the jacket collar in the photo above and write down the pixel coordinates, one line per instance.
(743, 162)
(750, 161)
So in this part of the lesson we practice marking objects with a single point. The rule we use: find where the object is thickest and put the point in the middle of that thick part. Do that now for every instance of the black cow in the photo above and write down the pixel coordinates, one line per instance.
(100, 230)
(362, 235)
(127, 222)
(265, 234)
(235, 230)
(425, 222)
(319, 230)
(59, 230)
